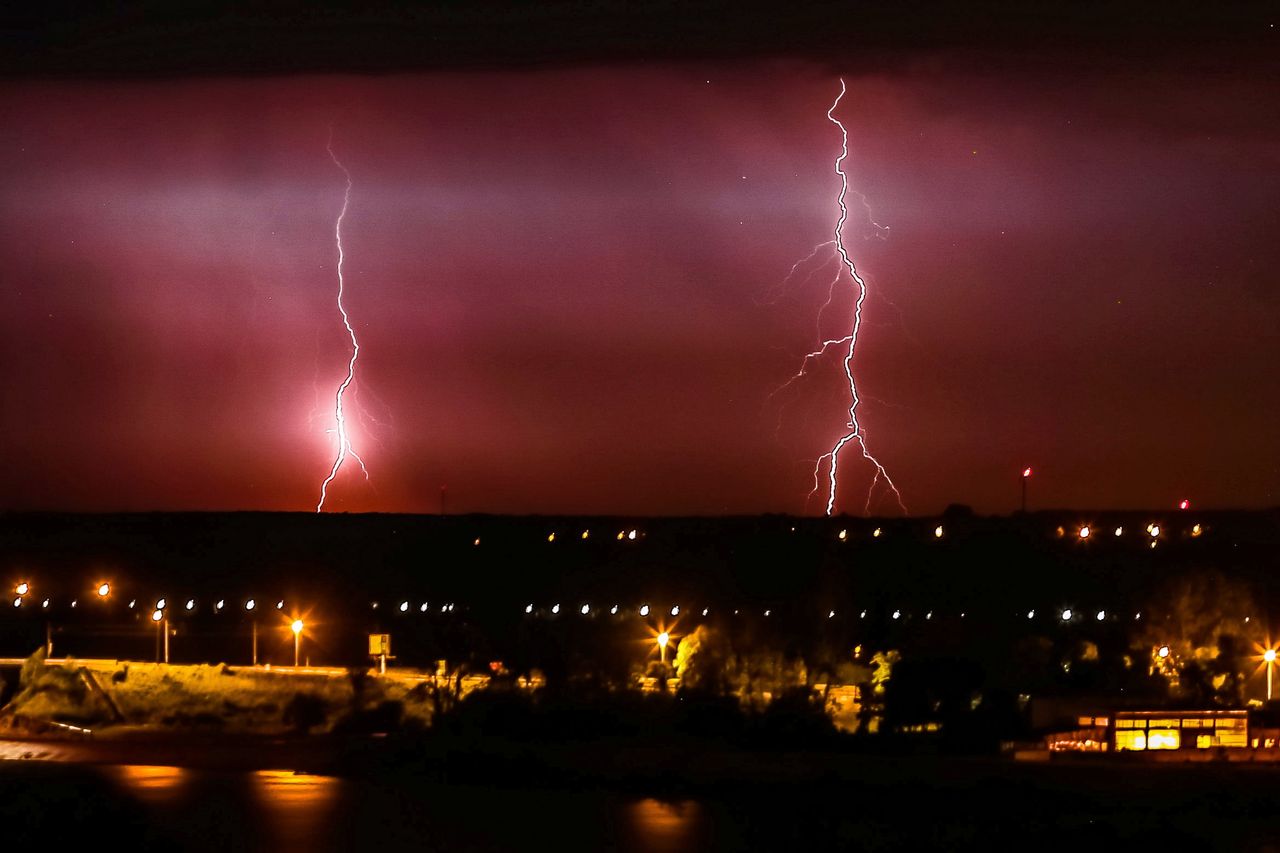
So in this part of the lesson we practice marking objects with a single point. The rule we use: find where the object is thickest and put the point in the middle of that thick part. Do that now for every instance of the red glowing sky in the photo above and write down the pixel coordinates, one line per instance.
(568, 288)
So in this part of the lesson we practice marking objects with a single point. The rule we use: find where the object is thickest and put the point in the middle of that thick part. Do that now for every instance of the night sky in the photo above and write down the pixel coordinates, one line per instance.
(570, 286)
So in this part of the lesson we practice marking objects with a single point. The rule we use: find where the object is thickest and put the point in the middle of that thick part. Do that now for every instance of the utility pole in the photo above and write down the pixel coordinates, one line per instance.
(165, 622)
(1026, 475)
(48, 640)
(255, 642)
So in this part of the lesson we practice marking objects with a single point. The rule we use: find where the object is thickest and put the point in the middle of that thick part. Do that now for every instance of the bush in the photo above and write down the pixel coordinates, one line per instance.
(796, 715)
(304, 712)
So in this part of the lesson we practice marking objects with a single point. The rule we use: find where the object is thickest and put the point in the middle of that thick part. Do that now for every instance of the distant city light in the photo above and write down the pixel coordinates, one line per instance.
(586, 608)
(831, 615)
(528, 608)
(404, 607)
(767, 612)
(937, 532)
(842, 535)
(1102, 615)
(104, 589)
(586, 533)
(191, 604)
(1066, 615)
(644, 610)
(157, 615)
(555, 608)
(897, 613)
(250, 604)
(675, 610)
(23, 588)
(929, 615)
(631, 535)
(477, 542)
(1163, 652)
(221, 603)
(45, 604)
(1031, 614)
(17, 602)
(705, 610)
(74, 602)
(613, 611)
(1196, 530)
(551, 537)
(876, 533)
(1154, 530)
(862, 615)
(280, 604)
(1119, 531)
(160, 604)
(1084, 532)
(423, 608)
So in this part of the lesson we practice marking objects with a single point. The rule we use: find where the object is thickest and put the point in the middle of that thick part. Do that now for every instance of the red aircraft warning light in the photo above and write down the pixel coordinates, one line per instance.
(1185, 504)
(1026, 472)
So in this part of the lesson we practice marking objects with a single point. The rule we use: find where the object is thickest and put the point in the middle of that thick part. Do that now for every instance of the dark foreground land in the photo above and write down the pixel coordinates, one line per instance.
(857, 802)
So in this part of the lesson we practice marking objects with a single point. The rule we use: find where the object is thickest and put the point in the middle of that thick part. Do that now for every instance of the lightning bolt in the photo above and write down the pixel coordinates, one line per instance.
(856, 434)
(344, 440)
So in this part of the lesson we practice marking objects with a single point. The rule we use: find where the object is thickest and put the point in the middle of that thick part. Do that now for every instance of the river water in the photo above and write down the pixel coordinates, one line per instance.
(48, 801)
(55, 806)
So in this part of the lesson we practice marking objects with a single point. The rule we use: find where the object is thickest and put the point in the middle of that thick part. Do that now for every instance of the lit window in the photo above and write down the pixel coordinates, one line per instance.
(1130, 739)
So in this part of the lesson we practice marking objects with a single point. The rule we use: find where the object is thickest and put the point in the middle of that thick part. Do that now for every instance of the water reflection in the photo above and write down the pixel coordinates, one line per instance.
(152, 784)
(298, 806)
(663, 826)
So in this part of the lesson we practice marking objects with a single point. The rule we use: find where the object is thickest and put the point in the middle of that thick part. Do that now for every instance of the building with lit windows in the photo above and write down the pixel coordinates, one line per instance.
(1156, 730)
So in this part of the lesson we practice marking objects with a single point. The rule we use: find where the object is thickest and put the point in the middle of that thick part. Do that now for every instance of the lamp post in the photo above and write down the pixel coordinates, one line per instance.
(1270, 657)
(161, 625)
(297, 640)
(1026, 475)
(249, 606)
(663, 639)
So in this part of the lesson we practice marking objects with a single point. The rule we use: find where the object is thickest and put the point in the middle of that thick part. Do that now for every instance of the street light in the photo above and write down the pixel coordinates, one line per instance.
(22, 588)
(104, 589)
(297, 640)
(1026, 475)
(663, 639)
(249, 606)
(1270, 657)
(162, 627)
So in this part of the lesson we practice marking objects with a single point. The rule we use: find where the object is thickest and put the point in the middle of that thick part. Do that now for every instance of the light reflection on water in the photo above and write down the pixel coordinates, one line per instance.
(298, 806)
(663, 826)
(152, 784)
